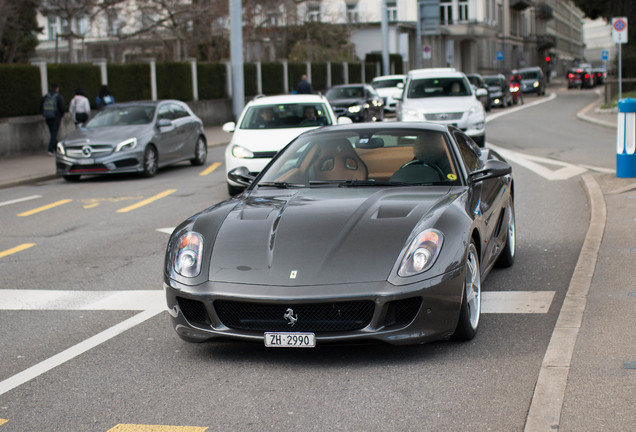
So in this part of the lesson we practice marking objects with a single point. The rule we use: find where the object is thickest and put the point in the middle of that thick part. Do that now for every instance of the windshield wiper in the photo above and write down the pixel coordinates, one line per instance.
(281, 185)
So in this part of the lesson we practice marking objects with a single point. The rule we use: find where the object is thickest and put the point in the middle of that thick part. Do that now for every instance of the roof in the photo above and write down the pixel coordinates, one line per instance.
(285, 99)
(388, 77)
(433, 72)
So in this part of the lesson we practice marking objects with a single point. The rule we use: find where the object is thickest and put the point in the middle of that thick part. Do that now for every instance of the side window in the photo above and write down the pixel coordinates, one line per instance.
(164, 113)
(179, 111)
(470, 154)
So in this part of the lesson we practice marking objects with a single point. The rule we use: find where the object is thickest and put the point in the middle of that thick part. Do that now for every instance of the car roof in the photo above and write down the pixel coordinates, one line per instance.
(287, 99)
(350, 85)
(388, 77)
(435, 72)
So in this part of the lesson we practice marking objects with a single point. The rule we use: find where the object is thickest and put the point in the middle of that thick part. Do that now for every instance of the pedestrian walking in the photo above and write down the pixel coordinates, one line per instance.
(304, 87)
(104, 98)
(52, 108)
(80, 108)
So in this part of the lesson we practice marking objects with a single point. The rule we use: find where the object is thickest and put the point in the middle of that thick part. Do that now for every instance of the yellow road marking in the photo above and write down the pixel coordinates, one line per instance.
(155, 428)
(46, 207)
(211, 168)
(147, 201)
(91, 205)
(16, 249)
(3, 421)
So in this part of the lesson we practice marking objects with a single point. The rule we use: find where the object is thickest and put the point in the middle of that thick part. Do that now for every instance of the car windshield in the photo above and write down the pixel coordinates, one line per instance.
(364, 158)
(284, 116)
(352, 92)
(530, 75)
(385, 83)
(492, 81)
(438, 87)
(123, 116)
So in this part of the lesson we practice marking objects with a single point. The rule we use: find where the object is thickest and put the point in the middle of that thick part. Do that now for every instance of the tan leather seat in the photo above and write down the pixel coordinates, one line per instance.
(338, 160)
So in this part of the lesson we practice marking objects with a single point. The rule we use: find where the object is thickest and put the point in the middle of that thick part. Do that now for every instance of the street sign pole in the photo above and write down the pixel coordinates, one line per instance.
(620, 74)
(619, 36)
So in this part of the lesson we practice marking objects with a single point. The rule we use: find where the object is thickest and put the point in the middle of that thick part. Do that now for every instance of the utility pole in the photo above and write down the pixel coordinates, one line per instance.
(385, 39)
(236, 57)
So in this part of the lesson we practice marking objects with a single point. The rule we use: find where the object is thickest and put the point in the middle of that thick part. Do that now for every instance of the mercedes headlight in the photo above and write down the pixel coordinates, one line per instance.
(60, 148)
(422, 253)
(354, 109)
(241, 152)
(189, 253)
(126, 145)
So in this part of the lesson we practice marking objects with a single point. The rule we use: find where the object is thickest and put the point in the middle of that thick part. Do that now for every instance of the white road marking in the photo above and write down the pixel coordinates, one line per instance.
(537, 164)
(491, 117)
(507, 302)
(19, 200)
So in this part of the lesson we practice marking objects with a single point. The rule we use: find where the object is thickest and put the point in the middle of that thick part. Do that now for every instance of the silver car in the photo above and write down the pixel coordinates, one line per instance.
(133, 137)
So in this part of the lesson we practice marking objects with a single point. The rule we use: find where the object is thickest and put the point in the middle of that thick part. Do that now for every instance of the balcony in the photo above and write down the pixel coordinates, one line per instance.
(546, 41)
(520, 4)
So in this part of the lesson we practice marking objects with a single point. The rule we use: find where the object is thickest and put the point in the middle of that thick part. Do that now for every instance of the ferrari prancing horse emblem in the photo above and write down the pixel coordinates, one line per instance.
(290, 316)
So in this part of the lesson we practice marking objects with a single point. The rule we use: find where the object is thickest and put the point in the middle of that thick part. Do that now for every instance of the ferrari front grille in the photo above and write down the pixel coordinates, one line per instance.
(194, 311)
(314, 317)
(401, 312)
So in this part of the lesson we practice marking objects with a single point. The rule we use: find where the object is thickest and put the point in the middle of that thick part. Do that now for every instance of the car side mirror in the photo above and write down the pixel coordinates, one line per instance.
(164, 123)
(493, 168)
(229, 127)
(400, 85)
(398, 96)
(481, 92)
(344, 120)
(241, 175)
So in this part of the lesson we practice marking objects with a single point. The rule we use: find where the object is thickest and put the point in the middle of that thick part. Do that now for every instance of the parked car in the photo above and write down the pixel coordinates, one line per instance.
(267, 124)
(580, 78)
(532, 80)
(599, 75)
(499, 89)
(359, 102)
(133, 137)
(358, 233)
(478, 82)
(388, 86)
(444, 95)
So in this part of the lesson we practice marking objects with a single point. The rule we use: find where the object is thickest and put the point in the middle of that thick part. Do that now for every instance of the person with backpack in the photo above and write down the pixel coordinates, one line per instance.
(52, 108)
(104, 98)
(80, 108)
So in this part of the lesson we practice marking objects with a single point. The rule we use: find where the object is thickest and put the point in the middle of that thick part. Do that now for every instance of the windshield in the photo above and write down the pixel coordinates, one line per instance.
(492, 81)
(353, 92)
(123, 116)
(363, 158)
(438, 87)
(282, 116)
(530, 75)
(385, 83)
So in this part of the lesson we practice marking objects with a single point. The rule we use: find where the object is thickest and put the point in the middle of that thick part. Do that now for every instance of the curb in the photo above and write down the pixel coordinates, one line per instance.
(582, 115)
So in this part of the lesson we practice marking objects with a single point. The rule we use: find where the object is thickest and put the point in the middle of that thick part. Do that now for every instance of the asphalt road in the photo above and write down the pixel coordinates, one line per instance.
(104, 241)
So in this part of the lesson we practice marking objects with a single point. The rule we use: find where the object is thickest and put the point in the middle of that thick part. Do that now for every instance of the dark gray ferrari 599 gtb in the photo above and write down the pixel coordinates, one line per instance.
(368, 232)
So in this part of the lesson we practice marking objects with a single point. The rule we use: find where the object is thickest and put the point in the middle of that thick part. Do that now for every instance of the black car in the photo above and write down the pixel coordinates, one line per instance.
(478, 82)
(532, 80)
(499, 89)
(359, 102)
(580, 78)
(353, 233)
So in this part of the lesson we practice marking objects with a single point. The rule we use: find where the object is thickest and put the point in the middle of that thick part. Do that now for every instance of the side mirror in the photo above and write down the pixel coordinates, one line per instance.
(241, 175)
(164, 123)
(398, 96)
(493, 168)
(229, 127)
(481, 92)
(344, 120)
(400, 86)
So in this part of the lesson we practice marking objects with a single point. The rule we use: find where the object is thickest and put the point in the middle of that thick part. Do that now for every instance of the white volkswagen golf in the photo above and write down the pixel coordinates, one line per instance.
(267, 124)
(444, 95)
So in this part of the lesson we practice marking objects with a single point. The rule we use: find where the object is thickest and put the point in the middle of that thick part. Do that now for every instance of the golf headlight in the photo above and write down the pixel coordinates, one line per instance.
(355, 109)
(535, 84)
(187, 259)
(422, 253)
(126, 145)
(60, 148)
(241, 152)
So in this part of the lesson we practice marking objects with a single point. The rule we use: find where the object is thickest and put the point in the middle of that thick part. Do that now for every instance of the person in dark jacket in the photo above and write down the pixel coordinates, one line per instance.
(104, 98)
(52, 108)
(304, 87)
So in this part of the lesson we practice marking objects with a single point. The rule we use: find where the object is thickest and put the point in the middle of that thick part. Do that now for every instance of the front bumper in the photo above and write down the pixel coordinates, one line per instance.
(415, 313)
(120, 162)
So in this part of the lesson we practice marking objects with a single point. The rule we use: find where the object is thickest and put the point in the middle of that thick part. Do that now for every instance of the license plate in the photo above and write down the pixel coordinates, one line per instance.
(90, 161)
(290, 340)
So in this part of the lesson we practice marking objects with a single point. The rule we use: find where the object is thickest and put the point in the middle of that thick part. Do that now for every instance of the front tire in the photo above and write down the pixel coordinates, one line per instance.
(470, 309)
(150, 162)
(507, 257)
(200, 152)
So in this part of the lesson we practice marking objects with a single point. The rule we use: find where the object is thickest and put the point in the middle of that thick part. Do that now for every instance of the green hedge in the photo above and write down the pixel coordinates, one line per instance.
(337, 74)
(73, 76)
(272, 76)
(129, 82)
(355, 73)
(249, 79)
(21, 91)
(370, 71)
(212, 80)
(319, 77)
(174, 81)
(395, 61)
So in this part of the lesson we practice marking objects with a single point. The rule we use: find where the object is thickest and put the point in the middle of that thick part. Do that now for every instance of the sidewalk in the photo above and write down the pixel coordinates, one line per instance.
(19, 170)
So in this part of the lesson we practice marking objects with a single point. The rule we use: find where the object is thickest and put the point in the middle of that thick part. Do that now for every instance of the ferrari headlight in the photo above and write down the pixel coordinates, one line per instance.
(189, 253)
(355, 109)
(241, 152)
(126, 145)
(422, 253)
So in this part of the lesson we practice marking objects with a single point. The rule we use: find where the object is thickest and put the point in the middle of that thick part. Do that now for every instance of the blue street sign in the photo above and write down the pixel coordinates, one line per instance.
(499, 55)
(604, 55)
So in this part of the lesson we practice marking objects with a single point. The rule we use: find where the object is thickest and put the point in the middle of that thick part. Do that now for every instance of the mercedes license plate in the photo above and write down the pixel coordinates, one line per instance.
(90, 161)
(290, 339)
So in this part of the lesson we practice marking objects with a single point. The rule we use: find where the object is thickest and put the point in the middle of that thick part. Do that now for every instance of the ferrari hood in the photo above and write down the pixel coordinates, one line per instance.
(315, 236)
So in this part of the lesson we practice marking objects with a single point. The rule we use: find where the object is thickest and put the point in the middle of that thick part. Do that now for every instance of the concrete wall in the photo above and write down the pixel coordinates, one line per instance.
(29, 134)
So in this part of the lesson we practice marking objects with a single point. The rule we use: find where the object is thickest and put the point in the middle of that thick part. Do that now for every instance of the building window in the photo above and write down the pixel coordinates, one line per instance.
(82, 25)
(313, 13)
(352, 13)
(64, 26)
(391, 10)
(52, 25)
(445, 12)
(463, 10)
(112, 23)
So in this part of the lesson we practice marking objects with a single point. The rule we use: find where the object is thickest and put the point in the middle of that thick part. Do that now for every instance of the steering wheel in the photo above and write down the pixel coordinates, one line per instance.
(424, 164)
